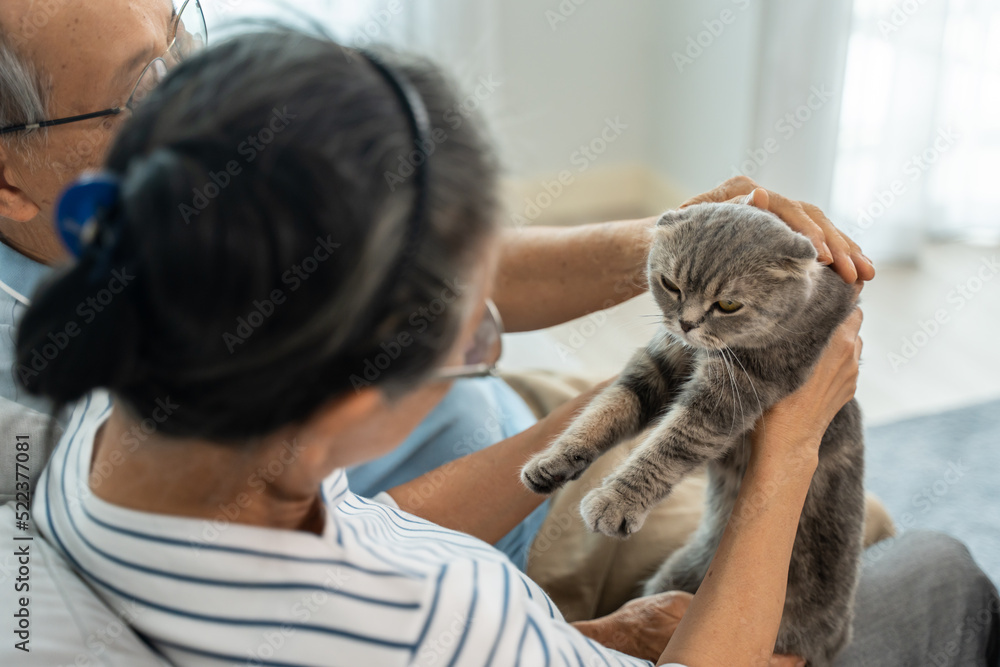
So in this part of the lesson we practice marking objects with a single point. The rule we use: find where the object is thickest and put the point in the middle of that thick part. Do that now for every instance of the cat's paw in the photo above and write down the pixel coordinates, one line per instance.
(551, 469)
(605, 510)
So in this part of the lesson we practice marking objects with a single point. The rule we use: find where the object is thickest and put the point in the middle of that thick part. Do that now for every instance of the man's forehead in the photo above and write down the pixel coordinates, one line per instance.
(80, 44)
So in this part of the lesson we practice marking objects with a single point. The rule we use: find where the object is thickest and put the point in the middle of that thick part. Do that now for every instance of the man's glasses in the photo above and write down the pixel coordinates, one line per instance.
(484, 352)
(188, 33)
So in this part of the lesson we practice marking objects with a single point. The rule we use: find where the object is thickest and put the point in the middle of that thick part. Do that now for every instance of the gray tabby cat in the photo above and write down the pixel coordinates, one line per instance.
(747, 310)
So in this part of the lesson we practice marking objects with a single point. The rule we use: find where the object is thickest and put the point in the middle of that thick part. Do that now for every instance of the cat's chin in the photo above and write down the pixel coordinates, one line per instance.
(701, 342)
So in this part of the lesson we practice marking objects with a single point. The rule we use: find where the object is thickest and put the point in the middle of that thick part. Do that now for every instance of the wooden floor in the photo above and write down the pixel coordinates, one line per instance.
(931, 332)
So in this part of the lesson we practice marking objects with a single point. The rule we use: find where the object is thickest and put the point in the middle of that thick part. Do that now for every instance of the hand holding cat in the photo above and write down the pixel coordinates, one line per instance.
(643, 627)
(794, 427)
(834, 247)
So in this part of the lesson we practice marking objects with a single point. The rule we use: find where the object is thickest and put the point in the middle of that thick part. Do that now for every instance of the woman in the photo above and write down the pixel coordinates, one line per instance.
(279, 210)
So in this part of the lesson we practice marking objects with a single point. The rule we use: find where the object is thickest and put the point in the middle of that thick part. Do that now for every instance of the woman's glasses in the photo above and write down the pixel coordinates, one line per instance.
(188, 33)
(483, 353)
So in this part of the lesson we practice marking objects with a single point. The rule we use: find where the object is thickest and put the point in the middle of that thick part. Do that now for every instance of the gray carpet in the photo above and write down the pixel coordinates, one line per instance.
(942, 472)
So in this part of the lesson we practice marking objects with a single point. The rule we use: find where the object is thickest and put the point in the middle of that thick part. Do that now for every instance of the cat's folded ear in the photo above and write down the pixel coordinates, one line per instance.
(672, 217)
(795, 257)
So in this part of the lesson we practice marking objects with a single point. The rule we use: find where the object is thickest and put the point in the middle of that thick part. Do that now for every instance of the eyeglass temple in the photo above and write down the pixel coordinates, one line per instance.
(114, 111)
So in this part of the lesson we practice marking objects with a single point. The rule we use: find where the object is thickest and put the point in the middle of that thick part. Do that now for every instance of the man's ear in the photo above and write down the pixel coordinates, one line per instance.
(15, 204)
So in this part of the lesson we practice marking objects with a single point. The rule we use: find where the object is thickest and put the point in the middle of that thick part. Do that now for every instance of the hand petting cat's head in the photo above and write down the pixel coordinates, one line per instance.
(729, 275)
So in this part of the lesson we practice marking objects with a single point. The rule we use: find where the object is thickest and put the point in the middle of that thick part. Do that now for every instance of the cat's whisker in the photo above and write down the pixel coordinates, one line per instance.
(797, 333)
(732, 352)
(729, 353)
(739, 395)
(715, 380)
(736, 392)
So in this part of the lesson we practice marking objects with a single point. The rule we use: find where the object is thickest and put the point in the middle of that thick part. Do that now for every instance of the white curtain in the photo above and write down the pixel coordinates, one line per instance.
(344, 19)
(884, 112)
(908, 148)
(801, 49)
(919, 139)
(461, 33)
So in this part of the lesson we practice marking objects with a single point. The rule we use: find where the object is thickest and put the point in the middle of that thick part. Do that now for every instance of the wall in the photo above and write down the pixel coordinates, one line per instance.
(637, 105)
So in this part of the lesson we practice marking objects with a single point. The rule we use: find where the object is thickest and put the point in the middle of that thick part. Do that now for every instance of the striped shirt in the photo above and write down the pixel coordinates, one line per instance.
(378, 588)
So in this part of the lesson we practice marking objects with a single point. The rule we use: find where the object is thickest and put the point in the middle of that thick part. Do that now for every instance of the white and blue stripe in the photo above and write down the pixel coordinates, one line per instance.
(379, 587)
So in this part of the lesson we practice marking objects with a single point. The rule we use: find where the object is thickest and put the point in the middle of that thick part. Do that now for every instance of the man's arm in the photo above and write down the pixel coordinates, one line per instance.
(481, 494)
(550, 275)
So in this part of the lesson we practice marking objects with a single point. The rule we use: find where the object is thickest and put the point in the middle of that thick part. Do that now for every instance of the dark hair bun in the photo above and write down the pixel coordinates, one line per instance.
(265, 199)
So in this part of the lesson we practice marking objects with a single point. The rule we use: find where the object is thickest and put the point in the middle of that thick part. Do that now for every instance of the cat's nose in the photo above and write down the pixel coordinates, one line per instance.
(687, 326)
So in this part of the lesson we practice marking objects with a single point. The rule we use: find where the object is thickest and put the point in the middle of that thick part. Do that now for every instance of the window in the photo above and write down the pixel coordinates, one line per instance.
(919, 135)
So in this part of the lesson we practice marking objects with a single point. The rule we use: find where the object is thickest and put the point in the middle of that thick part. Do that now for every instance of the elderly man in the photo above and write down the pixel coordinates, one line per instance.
(70, 72)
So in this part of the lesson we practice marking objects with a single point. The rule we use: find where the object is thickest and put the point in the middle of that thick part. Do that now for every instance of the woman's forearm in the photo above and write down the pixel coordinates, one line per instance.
(481, 494)
(550, 275)
(734, 618)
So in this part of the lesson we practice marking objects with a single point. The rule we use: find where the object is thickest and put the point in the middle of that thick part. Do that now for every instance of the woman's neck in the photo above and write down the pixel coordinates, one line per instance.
(266, 484)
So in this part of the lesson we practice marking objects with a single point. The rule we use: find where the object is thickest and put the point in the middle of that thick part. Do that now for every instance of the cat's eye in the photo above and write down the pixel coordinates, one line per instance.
(667, 285)
(728, 306)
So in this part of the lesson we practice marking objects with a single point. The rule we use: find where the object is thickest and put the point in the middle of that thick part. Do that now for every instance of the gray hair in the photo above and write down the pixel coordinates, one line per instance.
(23, 93)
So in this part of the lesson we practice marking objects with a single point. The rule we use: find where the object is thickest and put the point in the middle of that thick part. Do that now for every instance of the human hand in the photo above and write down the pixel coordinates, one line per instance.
(801, 418)
(834, 247)
(642, 627)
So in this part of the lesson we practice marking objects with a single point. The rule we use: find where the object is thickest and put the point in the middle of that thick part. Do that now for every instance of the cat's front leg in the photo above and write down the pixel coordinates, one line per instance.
(702, 427)
(611, 416)
(651, 380)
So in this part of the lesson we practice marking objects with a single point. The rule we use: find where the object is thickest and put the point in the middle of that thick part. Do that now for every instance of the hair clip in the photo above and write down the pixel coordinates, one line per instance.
(80, 206)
